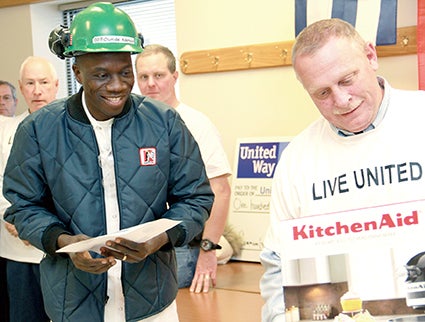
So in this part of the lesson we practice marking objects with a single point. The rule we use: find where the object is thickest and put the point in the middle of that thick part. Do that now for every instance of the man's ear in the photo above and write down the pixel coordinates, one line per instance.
(372, 55)
(77, 73)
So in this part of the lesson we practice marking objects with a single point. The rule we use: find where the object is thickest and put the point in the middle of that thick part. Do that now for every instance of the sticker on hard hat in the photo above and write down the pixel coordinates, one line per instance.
(113, 40)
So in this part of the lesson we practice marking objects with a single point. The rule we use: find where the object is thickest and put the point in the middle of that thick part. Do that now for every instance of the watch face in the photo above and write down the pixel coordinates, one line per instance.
(206, 244)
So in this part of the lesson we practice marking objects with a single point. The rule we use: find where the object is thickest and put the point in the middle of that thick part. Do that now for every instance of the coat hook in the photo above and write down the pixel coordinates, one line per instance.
(249, 57)
(215, 61)
(185, 64)
(405, 41)
(284, 54)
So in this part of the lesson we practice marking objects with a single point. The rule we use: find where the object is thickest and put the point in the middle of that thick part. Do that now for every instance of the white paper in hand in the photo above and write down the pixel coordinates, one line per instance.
(138, 234)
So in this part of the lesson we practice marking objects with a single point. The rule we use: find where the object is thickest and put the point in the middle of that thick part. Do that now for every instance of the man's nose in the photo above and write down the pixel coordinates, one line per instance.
(115, 83)
(341, 97)
(37, 88)
(151, 81)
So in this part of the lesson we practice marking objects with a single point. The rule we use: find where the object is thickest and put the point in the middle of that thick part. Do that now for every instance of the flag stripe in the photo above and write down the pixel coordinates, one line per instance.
(421, 43)
(367, 19)
(318, 10)
(345, 10)
(387, 27)
(300, 15)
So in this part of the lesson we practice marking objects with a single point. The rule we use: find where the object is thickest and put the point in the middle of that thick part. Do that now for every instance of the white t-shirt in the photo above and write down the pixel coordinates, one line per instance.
(322, 172)
(208, 139)
(12, 247)
(115, 306)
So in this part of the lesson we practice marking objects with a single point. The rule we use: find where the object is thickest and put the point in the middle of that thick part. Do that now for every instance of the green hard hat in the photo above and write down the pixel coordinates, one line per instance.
(102, 27)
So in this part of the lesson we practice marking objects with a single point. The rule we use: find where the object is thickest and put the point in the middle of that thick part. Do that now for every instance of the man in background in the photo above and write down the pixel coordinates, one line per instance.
(197, 262)
(8, 99)
(38, 83)
(8, 104)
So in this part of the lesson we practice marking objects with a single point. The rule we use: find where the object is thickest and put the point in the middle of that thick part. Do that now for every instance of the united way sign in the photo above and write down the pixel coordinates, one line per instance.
(255, 163)
(258, 160)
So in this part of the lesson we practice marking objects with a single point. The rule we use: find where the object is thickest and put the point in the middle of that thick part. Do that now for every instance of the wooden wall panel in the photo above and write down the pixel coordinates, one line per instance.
(273, 54)
(11, 3)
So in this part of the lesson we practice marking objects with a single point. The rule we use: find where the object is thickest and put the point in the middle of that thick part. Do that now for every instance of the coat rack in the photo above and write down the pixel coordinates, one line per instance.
(273, 55)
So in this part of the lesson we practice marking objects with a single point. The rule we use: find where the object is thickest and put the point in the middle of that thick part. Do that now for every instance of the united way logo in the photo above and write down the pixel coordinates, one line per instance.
(147, 156)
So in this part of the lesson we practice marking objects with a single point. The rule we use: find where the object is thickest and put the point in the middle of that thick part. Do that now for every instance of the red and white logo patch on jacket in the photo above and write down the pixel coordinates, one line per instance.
(147, 156)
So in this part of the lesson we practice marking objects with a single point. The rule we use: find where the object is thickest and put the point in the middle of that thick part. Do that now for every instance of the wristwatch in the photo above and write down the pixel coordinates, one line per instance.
(208, 245)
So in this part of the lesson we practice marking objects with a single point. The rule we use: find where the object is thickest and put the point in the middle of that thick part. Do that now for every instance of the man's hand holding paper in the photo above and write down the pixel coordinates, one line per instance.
(132, 245)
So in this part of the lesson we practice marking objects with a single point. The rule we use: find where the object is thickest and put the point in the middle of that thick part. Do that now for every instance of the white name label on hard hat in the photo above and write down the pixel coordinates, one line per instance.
(113, 39)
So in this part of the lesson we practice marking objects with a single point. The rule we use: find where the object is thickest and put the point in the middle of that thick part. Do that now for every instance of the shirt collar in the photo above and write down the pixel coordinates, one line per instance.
(92, 120)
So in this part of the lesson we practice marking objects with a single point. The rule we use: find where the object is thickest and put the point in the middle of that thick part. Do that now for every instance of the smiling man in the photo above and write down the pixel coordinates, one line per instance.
(100, 161)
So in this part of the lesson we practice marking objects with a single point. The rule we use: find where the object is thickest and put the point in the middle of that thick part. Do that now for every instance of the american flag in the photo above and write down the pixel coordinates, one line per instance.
(375, 20)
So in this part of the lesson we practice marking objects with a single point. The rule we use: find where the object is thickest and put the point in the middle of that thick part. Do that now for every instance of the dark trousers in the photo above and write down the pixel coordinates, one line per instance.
(4, 296)
(26, 300)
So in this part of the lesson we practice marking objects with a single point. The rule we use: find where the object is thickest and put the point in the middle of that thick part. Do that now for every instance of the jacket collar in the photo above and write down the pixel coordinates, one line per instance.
(74, 105)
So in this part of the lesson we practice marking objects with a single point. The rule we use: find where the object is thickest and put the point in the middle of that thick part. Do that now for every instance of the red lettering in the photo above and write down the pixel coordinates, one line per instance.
(299, 233)
(387, 221)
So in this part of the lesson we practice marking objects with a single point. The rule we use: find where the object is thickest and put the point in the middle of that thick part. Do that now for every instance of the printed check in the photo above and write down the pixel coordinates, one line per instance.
(139, 234)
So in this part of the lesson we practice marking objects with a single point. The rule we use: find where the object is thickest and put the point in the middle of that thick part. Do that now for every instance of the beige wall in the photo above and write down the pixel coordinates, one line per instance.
(24, 32)
(16, 43)
(262, 102)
